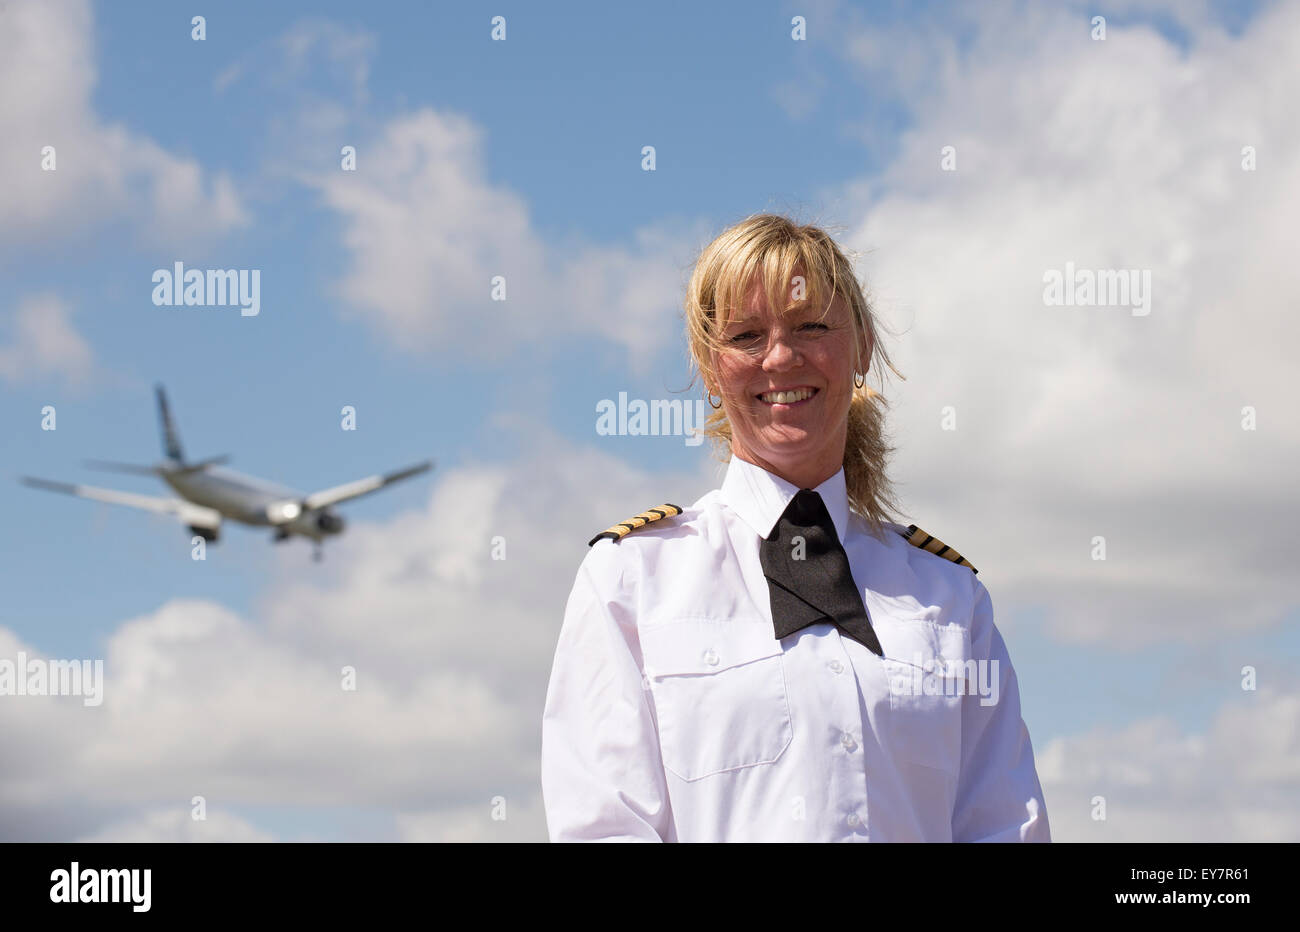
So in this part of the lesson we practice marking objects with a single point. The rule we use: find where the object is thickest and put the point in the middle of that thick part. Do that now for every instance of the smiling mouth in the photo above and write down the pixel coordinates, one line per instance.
(788, 397)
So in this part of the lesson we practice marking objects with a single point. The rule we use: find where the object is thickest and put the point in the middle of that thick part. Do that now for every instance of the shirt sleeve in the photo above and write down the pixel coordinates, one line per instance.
(998, 794)
(602, 775)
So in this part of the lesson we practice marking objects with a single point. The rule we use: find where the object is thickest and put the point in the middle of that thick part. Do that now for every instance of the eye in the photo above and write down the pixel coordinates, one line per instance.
(815, 325)
(744, 337)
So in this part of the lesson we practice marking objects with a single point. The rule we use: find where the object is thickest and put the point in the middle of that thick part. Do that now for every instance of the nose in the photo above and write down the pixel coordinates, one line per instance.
(780, 351)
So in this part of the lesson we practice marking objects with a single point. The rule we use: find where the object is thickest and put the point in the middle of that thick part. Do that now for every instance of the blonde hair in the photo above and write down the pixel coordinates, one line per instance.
(772, 248)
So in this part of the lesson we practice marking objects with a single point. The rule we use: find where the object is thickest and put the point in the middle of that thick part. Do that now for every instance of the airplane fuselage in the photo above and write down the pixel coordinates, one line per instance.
(248, 500)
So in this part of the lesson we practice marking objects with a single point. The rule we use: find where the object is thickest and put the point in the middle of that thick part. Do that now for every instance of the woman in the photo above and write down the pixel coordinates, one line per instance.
(779, 661)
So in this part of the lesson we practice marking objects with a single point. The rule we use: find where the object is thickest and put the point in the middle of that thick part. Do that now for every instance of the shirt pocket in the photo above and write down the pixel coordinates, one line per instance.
(925, 665)
(719, 695)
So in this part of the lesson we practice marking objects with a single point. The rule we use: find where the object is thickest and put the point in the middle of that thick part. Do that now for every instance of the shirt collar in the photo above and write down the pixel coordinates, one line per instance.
(760, 498)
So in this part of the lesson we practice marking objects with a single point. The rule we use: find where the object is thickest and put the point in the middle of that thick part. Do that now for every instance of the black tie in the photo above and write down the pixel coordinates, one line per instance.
(809, 579)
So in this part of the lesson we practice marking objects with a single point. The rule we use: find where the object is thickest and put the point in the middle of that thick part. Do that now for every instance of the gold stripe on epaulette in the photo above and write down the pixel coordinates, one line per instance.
(649, 516)
(918, 538)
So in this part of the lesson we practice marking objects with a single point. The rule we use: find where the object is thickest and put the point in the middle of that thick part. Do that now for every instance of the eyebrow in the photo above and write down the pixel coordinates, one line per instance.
(798, 309)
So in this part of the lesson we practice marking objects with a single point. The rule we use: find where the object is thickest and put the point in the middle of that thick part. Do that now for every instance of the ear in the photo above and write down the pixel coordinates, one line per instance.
(866, 346)
(709, 389)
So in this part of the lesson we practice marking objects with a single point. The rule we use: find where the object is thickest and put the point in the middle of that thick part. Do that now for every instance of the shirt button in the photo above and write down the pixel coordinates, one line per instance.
(849, 744)
(836, 666)
(853, 820)
(711, 657)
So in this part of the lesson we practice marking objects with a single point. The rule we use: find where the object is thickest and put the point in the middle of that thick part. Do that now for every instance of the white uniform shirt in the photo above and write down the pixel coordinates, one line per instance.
(674, 714)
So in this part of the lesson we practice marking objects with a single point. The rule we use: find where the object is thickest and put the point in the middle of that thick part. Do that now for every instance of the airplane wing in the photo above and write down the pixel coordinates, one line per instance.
(188, 512)
(350, 490)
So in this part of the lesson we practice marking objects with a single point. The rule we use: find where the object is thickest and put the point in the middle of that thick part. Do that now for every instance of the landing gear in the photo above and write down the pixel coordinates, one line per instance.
(317, 552)
(281, 535)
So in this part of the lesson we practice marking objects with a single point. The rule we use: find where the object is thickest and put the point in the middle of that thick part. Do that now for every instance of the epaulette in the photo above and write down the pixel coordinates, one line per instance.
(649, 516)
(918, 538)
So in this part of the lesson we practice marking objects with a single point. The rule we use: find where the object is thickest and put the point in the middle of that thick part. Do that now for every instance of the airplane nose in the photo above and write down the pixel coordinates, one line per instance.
(329, 523)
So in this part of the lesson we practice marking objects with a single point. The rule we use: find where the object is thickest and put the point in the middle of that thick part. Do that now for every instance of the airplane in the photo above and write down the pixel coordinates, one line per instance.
(209, 494)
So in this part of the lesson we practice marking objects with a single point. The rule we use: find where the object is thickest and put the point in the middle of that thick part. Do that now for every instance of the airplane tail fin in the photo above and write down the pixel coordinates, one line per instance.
(171, 442)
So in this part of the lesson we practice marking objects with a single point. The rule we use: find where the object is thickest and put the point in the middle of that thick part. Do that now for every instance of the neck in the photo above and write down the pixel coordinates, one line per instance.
(804, 476)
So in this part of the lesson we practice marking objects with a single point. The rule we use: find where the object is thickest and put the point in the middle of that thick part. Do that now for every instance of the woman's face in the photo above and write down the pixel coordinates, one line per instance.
(786, 381)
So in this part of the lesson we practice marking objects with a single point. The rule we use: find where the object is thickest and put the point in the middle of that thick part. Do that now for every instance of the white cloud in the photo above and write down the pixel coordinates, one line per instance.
(1239, 781)
(345, 51)
(314, 78)
(427, 233)
(41, 341)
(1075, 422)
(177, 825)
(492, 819)
(47, 75)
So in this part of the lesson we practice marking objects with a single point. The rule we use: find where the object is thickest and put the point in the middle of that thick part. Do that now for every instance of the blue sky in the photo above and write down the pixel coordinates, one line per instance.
(548, 128)
(269, 389)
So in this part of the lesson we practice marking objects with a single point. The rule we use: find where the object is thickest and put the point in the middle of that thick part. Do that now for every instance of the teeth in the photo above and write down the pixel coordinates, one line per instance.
(786, 398)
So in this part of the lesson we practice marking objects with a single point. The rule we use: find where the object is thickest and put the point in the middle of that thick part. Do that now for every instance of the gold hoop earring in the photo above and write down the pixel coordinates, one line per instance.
(711, 404)
(859, 380)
